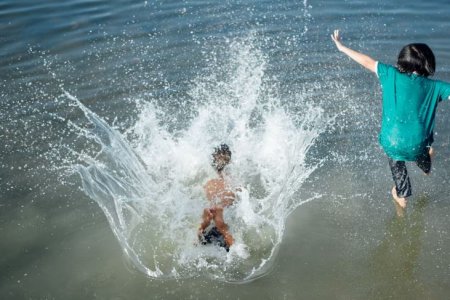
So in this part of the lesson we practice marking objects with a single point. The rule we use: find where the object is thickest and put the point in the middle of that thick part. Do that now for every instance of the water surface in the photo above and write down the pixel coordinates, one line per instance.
(180, 75)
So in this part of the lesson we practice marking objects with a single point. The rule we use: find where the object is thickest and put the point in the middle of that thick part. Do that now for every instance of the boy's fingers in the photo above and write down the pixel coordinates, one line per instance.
(336, 33)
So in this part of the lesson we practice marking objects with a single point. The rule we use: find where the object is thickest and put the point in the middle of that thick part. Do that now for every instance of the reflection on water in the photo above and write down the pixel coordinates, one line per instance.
(395, 262)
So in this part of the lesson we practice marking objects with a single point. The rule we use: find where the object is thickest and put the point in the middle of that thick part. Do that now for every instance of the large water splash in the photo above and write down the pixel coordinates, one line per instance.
(149, 180)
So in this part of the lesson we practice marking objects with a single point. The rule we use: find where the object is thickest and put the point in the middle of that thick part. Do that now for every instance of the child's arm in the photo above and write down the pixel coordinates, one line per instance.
(362, 59)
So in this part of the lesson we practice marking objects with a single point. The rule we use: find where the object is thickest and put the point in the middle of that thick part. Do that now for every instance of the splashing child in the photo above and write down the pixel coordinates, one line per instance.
(220, 195)
(410, 100)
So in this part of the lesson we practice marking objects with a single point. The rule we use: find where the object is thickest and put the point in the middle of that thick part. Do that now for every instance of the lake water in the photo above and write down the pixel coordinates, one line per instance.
(109, 111)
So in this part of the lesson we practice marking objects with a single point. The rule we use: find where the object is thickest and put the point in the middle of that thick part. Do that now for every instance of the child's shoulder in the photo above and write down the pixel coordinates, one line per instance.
(382, 65)
(384, 70)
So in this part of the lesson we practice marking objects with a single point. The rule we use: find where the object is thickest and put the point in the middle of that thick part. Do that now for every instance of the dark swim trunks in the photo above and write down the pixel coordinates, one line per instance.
(213, 236)
(400, 174)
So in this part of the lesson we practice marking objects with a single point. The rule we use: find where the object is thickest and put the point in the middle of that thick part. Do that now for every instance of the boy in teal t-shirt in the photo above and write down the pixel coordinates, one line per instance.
(410, 100)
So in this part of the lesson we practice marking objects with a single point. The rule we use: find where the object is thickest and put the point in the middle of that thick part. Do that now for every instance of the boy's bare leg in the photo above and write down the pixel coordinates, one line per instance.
(207, 217)
(222, 227)
(400, 203)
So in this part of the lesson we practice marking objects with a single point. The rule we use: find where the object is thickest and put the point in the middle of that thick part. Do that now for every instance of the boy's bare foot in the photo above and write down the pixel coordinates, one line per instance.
(399, 210)
(400, 203)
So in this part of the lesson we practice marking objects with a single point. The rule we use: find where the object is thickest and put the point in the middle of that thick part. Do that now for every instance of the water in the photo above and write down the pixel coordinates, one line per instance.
(110, 111)
(152, 193)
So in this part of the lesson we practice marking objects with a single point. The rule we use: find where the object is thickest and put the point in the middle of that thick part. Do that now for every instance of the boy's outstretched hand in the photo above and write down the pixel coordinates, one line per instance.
(362, 59)
(337, 39)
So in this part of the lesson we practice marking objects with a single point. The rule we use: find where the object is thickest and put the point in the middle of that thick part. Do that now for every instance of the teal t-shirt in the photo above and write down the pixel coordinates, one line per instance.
(409, 108)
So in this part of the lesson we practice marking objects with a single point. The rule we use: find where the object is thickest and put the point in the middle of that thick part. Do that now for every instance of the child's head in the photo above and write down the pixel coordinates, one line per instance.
(221, 157)
(416, 58)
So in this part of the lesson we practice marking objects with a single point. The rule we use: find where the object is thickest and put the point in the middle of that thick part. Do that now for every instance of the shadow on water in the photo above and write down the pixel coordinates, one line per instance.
(395, 262)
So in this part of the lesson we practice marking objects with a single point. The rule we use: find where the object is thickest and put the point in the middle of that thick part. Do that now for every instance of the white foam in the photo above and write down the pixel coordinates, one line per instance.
(150, 187)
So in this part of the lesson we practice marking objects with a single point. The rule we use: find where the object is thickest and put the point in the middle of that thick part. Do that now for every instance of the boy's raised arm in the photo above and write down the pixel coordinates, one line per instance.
(362, 59)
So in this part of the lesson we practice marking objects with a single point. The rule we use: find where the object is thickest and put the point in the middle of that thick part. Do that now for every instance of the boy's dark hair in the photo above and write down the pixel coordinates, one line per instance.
(221, 150)
(416, 58)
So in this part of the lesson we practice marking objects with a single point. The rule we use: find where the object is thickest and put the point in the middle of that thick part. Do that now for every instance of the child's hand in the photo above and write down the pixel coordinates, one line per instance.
(362, 59)
(337, 39)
